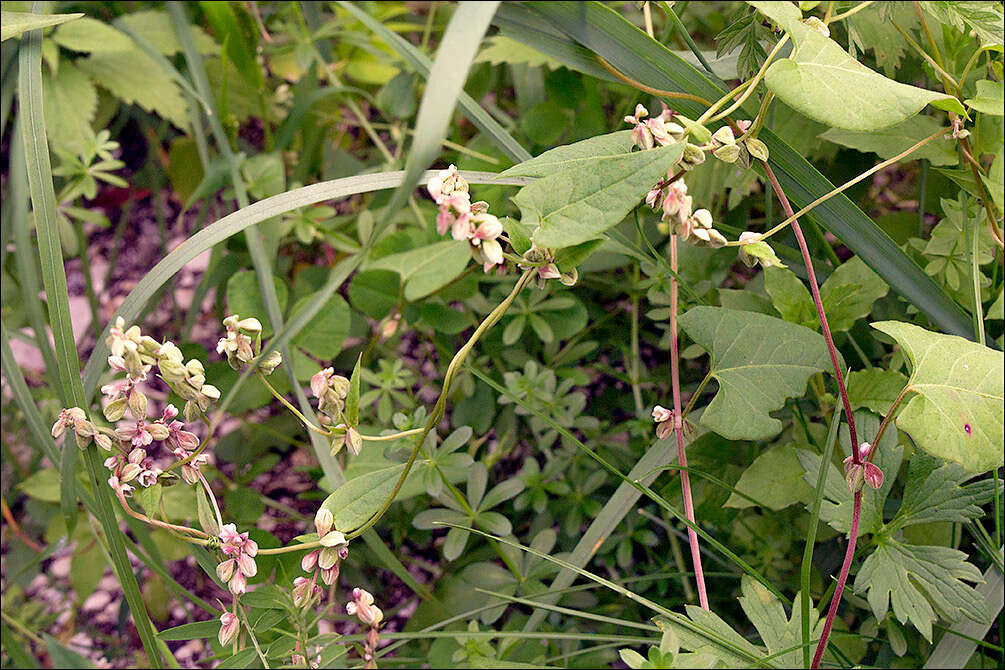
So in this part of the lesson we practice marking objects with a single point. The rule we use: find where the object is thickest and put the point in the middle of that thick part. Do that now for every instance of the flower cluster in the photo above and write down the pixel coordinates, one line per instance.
(669, 195)
(331, 390)
(323, 562)
(464, 219)
(240, 564)
(362, 606)
(242, 342)
(660, 130)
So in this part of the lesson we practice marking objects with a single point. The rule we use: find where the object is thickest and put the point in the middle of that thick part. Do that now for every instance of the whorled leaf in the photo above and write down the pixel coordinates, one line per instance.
(959, 402)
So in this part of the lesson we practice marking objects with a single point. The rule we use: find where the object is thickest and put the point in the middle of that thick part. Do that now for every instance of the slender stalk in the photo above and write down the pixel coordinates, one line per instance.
(985, 200)
(649, 89)
(928, 59)
(844, 15)
(839, 376)
(154, 522)
(678, 431)
(296, 412)
(889, 417)
(975, 270)
(212, 499)
(821, 315)
(791, 217)
(856, 514)
(438, 409)
(751, 86)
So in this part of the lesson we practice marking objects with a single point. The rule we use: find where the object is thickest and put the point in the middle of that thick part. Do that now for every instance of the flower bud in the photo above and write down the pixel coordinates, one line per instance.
(250, 326)
(330, 575)
(569, 278)
(225, 570)
(114, 410)
(328, 558)
(723, 136)
(159, 431)
(230, 628)
(332, 538)
(873, 475)
(138, 404)
(271, 362)
(757, 148)
(309, 561)
(130, 472)
(353, 440)
(727, 153)
(693, 155)
(172, 371)
(324, 520)
(103, 441)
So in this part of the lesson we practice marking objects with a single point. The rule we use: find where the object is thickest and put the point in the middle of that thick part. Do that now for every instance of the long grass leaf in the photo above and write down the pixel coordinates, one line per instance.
(635, 54)
(27, 274)
(443, 86)
(238, 221)
(51, 255)
(421, 64)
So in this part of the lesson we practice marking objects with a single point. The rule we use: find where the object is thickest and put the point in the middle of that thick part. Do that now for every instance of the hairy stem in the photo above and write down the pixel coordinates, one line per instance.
(678, 431)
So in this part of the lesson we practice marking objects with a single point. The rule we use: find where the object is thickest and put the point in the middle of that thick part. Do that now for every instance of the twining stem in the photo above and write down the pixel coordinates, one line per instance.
(649, 89)
(751, 86)
(886, 419)
(792, 217)
(839, 376)
(438, 409)
(154, 522)
(856, 514)
(678, 431)
(821, 315)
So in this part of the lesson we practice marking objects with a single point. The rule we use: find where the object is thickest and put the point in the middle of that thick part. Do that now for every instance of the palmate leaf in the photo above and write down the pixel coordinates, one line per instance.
(824, 83)
(778, 631)
(919, 580)
(981, 17)
(935, 492)
(579, 203)
(957, 412)
(758, 361)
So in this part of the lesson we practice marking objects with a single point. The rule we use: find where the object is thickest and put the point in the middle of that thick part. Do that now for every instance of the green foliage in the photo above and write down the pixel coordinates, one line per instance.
(816, 83)
(540, 462)
(758, 361)
(959, 387)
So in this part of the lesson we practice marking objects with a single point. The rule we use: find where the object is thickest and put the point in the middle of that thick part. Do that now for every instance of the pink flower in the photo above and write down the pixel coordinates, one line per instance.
(116, 389)
(362, 606)
(320, 380)
(549, 271)
(744, 125)
(230, 628)
(139, 434)
(180, 439)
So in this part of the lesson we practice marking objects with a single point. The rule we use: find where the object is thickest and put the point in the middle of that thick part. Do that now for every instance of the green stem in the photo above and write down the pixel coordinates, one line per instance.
(441, 402)
(296, 412)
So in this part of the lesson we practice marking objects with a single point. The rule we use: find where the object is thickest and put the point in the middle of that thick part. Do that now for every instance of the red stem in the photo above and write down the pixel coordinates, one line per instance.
(678, 431)
(839, 375)
(856, 513)
(815, 290)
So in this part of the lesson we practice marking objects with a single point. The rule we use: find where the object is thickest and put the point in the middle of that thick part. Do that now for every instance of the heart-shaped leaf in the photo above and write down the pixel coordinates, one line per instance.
(759, 361)
(353, 503)
(579, 203)
(957, 412)
(822, 81)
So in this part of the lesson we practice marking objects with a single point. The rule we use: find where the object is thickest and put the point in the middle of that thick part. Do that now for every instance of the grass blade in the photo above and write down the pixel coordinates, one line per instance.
(421, 64)
(238, 221)
(446, 79)
(54, 277)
